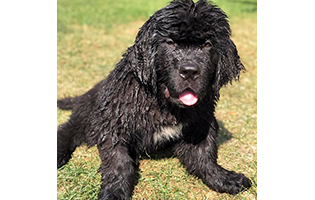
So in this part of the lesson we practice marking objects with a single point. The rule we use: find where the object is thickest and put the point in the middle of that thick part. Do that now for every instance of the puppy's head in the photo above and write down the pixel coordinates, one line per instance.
(186, 52)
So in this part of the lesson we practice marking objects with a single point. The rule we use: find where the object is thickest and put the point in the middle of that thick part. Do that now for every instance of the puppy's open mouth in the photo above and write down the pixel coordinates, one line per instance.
(188, 97)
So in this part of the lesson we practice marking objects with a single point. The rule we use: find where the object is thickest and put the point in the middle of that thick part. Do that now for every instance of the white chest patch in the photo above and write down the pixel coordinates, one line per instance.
(167, 133)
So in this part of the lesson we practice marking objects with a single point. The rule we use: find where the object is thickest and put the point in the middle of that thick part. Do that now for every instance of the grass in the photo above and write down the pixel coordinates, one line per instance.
(92, 36)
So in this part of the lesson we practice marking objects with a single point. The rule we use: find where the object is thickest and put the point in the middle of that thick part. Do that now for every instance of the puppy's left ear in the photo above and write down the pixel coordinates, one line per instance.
(229, 66)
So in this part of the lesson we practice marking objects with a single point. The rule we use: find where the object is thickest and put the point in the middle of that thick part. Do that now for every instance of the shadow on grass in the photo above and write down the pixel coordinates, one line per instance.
(223, 136)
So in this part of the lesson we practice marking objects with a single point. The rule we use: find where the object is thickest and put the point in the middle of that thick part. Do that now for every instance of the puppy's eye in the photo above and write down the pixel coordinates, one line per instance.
(170, 42)
(207, 44)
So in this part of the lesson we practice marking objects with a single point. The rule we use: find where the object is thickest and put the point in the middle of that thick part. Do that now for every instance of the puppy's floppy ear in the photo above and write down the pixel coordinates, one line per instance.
(229, 66)
(144, 55)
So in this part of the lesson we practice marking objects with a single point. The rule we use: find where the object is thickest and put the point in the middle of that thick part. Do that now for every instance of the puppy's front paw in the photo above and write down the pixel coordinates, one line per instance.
(116, 194)
(235, 183)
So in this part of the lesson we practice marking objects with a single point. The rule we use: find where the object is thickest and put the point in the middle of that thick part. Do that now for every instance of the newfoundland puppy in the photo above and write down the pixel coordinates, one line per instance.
(163, 92)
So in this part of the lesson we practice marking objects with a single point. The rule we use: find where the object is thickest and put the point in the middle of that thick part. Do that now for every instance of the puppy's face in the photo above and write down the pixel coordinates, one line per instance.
(185, 70)
(185, 53)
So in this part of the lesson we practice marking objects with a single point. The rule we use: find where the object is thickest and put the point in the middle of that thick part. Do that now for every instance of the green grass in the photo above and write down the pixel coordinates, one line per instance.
(104, 14)
(92, 36)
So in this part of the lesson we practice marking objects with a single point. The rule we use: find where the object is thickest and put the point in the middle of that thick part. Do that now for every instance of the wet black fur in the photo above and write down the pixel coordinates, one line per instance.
(122, 113)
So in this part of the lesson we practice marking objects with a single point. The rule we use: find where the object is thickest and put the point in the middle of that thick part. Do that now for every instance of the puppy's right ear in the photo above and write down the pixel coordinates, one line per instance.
(143, 55)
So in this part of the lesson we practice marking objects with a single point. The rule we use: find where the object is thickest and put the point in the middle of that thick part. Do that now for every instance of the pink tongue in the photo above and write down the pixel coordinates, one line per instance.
(188, 98)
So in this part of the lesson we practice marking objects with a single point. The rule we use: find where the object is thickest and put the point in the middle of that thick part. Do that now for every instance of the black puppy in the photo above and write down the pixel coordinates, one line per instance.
(162, 92)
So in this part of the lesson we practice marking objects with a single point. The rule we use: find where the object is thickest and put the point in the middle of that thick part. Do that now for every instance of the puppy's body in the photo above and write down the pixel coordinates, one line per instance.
(162, 92)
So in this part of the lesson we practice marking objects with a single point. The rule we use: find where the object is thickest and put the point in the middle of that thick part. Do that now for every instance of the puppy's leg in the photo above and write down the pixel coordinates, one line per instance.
(200, 159)
(119, 172)
(69, 136)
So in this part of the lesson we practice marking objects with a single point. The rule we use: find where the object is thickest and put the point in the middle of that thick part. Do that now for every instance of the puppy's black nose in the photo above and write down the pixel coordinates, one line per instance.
(189, 72)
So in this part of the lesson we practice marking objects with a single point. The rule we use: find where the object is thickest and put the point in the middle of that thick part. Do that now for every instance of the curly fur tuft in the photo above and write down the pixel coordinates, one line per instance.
(163, 92)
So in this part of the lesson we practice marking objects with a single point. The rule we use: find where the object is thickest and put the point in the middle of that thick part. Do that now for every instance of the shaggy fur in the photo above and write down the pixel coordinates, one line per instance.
(162, 92)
